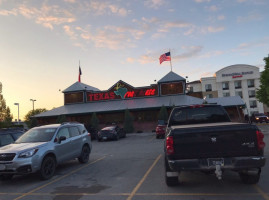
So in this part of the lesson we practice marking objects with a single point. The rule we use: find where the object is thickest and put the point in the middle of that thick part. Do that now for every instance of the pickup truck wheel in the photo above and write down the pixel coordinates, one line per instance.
(170, 181)
(48, 168)
(85, 154)
(250, 178)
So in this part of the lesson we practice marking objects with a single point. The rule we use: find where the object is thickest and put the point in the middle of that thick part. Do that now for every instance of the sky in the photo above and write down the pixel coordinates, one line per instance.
(42, 43)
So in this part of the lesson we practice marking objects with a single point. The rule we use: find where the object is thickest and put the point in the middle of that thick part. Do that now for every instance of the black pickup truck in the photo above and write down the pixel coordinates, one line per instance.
(203, 138)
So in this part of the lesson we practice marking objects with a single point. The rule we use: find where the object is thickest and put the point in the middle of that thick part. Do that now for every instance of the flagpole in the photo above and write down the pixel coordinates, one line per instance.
(170, 60)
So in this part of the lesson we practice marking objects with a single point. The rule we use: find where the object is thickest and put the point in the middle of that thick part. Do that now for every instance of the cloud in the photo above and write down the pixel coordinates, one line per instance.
(9, 12)
(154, 3)
(190, 52)
(48, 16)
(211, 54)
(213, 8)
(69, 32)
(250, 17)
(202, 1)
(212, 29)
(105, 8)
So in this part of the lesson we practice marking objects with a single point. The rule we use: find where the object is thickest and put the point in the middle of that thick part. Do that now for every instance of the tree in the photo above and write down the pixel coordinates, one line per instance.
(163, 114)
(128, 122)
(263, 93)
(30, 120)
(61, 119)
(95, 122)
(5, 115)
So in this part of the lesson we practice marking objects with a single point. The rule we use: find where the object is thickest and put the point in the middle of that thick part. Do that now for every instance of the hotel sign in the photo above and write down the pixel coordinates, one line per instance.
(122, 90)
(237, 74)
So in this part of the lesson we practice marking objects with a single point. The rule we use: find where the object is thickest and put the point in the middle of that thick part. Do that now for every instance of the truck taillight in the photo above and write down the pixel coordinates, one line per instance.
(170, 145)
(260, 141)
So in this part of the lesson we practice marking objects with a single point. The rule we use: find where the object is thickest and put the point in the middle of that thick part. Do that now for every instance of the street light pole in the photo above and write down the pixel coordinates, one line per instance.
(33, 100)
(17, 104)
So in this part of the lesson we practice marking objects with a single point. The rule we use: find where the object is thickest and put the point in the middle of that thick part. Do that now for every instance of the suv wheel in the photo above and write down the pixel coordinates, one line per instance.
(250, 178)
(47, 168)
(85, 154)
(170, 181)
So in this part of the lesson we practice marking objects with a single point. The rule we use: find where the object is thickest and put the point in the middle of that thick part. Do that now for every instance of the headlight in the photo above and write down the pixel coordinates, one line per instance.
(28, 154)
(257, 118)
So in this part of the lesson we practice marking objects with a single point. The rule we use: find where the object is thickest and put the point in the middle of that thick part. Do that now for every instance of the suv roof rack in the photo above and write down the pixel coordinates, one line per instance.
(70, 123)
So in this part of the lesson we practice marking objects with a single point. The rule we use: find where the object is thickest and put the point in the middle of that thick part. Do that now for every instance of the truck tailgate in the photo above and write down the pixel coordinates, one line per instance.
(214, 140)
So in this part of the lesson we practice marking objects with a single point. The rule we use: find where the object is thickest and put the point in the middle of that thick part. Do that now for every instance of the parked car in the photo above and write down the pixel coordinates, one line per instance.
(111, 133)
(42, 148)
(9, 135)
(160, 129)
(259, 117)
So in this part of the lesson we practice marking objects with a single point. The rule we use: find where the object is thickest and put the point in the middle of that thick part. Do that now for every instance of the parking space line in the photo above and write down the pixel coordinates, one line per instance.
(261, 192)
(144, 178)
(58, 179)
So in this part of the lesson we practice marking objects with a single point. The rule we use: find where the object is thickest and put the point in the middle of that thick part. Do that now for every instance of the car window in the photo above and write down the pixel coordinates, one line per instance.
(74, 131)
(37, 135)
(17, 135)
(63, 132)
(82, 128)
(5, 139)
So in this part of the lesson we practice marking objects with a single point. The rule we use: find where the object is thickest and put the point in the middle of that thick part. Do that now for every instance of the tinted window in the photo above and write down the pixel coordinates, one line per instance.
(37, 135)
(181, 116)
(74, 131)
(5, 139)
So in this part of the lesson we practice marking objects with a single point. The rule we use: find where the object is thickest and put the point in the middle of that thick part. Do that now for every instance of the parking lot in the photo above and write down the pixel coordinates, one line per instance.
(132, 169)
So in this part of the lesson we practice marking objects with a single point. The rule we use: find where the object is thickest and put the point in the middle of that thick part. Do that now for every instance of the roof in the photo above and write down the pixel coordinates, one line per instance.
(138, 103)
(78, 86)
(227, 101)
(170, 77)
(121, 105)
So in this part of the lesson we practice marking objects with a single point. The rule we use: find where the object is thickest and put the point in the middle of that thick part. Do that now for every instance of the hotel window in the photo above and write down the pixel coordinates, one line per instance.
(225, 86)
(237, 84)
(253, 103)
(208, 96)
(251, 93)
(190, 89)
(226, 94)
(208, 87)
(239, 93)
(251, 83)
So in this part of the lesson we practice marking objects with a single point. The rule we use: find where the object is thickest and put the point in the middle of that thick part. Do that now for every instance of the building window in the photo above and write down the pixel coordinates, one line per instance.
(226, 94)
(208, 96)
(76, 97)
(251, 83)
(253, 103)
(251, 93)
(190, 89)
(208, 87)
(172, 88)
(225, 86)
(237, 84)
(239, 93)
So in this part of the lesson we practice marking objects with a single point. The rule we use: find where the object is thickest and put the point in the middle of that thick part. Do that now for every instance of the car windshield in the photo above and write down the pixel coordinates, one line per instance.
(37, 135)
(259, 114)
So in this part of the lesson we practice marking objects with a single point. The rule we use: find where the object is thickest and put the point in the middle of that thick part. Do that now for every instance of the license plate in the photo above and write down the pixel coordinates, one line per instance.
(2, 167)
(104, 138)
(215, 161)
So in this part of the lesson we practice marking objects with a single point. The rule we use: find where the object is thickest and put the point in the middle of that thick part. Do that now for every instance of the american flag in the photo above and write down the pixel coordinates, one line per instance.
(165, 57)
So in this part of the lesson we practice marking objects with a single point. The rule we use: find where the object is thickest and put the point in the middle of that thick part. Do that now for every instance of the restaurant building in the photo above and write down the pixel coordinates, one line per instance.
(144, 103)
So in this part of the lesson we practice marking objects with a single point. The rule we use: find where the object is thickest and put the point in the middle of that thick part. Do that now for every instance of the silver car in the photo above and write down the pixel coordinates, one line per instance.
(40, 150)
